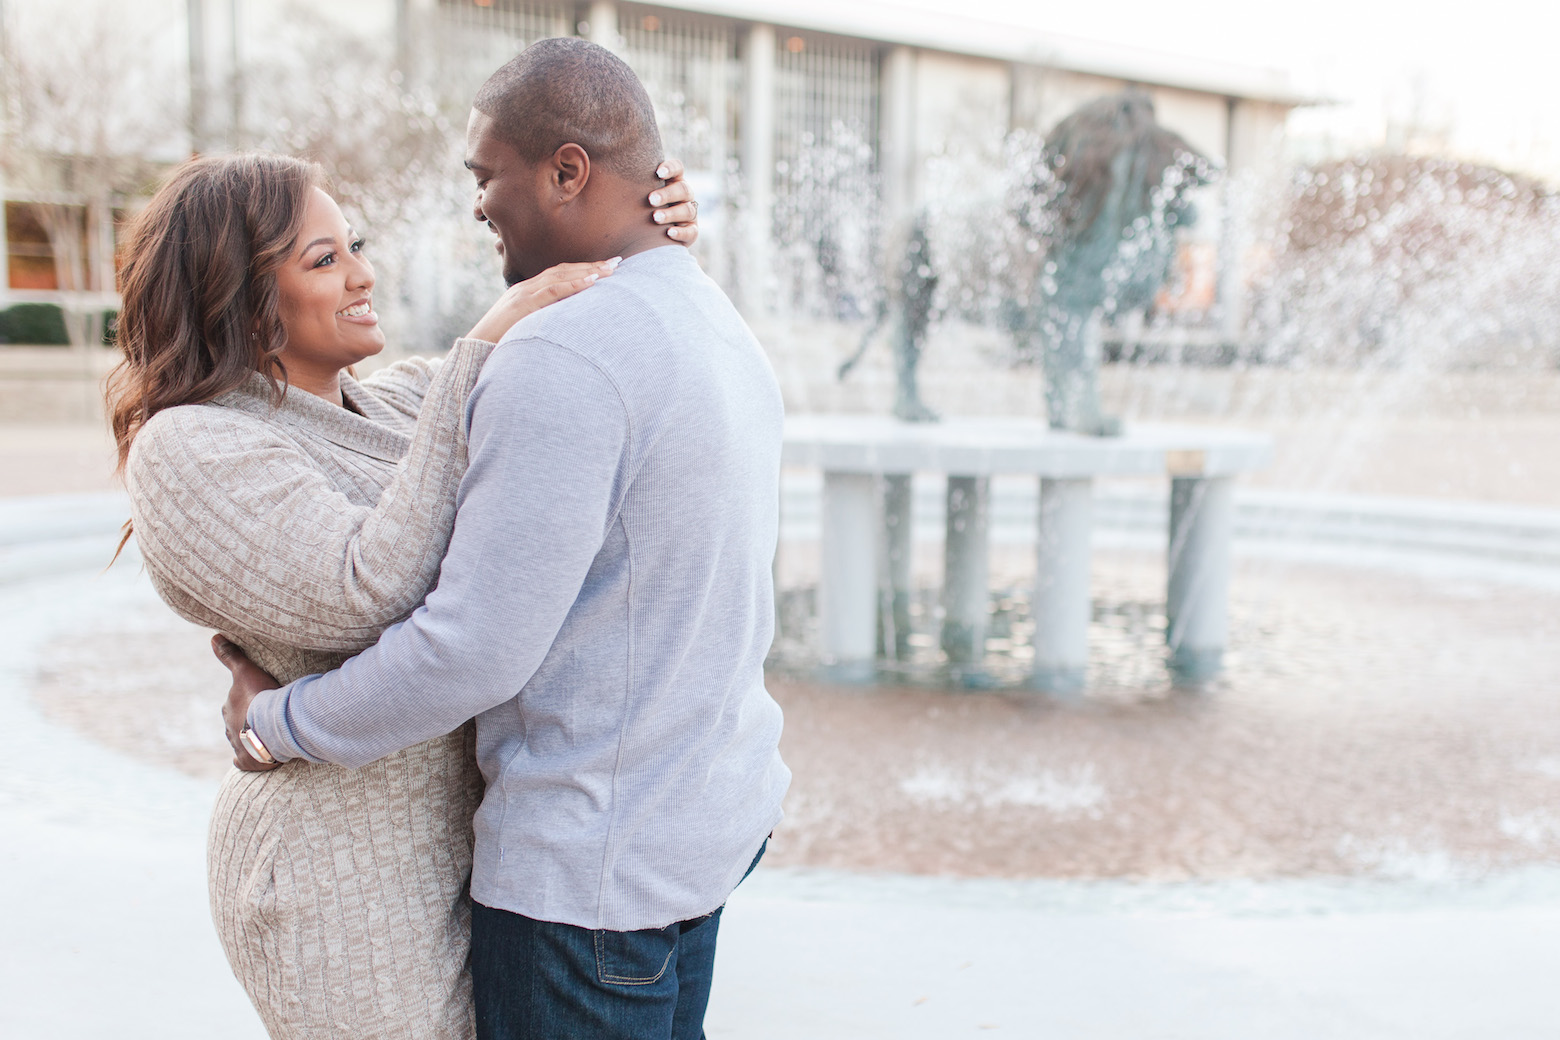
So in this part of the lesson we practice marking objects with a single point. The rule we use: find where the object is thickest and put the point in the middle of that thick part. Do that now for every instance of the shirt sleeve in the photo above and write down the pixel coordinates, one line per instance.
(549, 443)
(240, 527)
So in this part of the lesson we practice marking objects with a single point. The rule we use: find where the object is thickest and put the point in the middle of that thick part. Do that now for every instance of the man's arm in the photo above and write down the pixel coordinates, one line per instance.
(548, 444)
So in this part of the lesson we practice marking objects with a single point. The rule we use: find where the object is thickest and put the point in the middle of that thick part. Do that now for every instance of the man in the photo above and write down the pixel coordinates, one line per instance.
(606, 605)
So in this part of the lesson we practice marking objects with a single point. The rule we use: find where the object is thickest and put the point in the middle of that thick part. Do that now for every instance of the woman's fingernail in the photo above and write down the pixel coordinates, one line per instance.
(612, 264)
(655, 198)
(674, 231)
(591, 278)
(663, 173)
(660, 218)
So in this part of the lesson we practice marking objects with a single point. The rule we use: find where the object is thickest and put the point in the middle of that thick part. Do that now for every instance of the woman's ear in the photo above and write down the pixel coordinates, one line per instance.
(570, 171)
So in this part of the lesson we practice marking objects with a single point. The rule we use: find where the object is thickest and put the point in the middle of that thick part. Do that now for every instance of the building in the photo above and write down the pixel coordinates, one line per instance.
(843, 108)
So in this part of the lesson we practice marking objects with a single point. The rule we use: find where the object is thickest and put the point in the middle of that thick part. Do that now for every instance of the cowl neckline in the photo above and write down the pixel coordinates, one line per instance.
(375, 432)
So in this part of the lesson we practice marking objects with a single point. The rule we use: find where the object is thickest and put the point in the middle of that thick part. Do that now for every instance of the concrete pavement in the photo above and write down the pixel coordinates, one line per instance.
(105, 932)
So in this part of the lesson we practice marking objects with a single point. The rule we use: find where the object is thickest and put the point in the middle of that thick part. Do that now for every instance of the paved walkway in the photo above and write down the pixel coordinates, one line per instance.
(102, 863)
(806, 955)
(55, 459)
(102, 893)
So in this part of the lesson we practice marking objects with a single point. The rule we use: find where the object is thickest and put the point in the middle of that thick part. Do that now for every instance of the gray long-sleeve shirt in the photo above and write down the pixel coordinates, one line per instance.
(604, 611)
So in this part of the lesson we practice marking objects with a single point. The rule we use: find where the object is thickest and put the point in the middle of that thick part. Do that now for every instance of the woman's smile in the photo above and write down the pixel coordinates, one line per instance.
(360, 313)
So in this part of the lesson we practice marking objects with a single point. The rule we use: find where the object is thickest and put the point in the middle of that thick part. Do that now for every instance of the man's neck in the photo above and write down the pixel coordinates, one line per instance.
(622, 220)
(638, 240)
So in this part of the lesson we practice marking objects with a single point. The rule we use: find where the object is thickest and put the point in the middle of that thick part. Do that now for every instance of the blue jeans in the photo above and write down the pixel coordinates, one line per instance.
(540, 980)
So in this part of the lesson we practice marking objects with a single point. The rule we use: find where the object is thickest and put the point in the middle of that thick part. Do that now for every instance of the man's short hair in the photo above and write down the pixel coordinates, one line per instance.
(567, 90)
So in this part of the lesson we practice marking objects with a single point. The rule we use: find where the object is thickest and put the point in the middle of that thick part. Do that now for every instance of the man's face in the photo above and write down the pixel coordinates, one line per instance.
(507, 199)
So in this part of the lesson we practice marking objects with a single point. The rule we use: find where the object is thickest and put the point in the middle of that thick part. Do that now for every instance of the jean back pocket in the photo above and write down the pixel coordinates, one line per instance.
(634, 958)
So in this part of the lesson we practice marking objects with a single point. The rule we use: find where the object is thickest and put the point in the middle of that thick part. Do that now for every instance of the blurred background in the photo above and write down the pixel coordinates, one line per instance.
(1353, 830)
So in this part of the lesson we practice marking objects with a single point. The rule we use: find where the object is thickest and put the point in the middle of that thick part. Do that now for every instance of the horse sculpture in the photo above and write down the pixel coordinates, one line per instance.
(908, 309)
(1116, 195)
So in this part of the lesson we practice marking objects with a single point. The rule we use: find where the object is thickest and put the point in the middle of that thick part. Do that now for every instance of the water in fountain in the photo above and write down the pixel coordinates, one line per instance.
(1378, 293)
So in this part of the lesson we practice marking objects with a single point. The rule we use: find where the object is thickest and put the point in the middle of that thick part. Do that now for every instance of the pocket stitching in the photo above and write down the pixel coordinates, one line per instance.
(625, 980)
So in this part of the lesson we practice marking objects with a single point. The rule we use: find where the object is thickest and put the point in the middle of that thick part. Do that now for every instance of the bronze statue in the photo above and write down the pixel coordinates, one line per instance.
(1116, 195)
(908, 307)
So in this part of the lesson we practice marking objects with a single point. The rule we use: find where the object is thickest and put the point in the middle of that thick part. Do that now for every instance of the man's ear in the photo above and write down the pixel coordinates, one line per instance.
(570, 171)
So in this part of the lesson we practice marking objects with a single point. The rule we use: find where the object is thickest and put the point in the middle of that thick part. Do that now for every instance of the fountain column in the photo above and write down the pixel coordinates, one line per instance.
(898, 517)
(1061, 605)
(848, 590)
(1202, 523)
(966, 570)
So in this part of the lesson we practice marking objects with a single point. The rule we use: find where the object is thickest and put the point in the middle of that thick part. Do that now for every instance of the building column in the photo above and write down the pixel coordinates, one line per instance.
(897, 145)
(1230, 287)
(199, 85)
(414, 43)
(758, 166)
(216, 88)
(235, 75)
(603, 19)
(5, 249)
(1252, 149)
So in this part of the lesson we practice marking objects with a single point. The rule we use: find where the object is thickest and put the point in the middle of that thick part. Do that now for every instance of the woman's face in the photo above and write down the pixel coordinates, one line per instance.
(325, 291)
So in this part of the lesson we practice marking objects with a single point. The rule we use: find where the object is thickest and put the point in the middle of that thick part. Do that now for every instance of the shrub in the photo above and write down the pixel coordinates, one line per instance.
(34, 323)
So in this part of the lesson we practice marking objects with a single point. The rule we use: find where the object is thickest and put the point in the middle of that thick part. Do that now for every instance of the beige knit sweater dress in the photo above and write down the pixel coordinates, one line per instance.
(303, 531)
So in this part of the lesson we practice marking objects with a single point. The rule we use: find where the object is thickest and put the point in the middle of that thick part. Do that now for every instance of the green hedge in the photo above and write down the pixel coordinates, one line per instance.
(41, 324)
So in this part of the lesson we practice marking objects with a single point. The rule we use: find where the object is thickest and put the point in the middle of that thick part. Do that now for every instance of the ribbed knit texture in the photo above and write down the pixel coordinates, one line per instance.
(340, 896)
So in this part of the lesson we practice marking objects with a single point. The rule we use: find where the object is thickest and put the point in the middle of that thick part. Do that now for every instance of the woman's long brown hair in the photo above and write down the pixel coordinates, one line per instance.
(200, 312)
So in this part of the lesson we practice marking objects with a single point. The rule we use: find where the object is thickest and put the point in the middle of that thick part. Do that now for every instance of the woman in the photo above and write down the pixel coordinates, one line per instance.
(276, 497)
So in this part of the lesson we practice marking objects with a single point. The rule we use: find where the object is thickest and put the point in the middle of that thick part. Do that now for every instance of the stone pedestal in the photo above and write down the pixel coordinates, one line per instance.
(1202, 522)
(847, 596)
(866, 536)
(1061, 604)
(966, 571)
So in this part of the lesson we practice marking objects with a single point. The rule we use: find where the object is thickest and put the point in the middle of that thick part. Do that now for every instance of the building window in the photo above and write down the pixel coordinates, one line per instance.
(826, 184)
(46, 246)
(473, 39)
(689, 68)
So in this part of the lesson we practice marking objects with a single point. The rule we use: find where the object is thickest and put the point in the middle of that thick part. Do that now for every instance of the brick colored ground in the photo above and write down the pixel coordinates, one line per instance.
(1367, 724)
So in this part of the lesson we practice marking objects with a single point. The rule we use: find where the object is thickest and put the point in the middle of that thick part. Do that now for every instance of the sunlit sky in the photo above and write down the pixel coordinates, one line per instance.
(1487, 75)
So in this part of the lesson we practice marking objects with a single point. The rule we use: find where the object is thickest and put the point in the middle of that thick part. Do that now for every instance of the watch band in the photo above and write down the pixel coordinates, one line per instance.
(255, 747)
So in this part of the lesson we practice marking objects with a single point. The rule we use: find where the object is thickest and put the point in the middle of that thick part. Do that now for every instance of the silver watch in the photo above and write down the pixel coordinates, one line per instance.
(253, 745)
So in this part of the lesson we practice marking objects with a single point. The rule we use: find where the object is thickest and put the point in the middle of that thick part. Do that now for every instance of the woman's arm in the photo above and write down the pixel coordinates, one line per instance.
(240, 527)
(404, 385)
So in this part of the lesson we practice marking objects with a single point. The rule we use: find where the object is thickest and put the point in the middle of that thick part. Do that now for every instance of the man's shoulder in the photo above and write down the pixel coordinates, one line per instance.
(659, 315)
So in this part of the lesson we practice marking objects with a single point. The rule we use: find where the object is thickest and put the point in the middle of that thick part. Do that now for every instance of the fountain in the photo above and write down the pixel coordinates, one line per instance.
(1400, 310)
(1106, 194)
